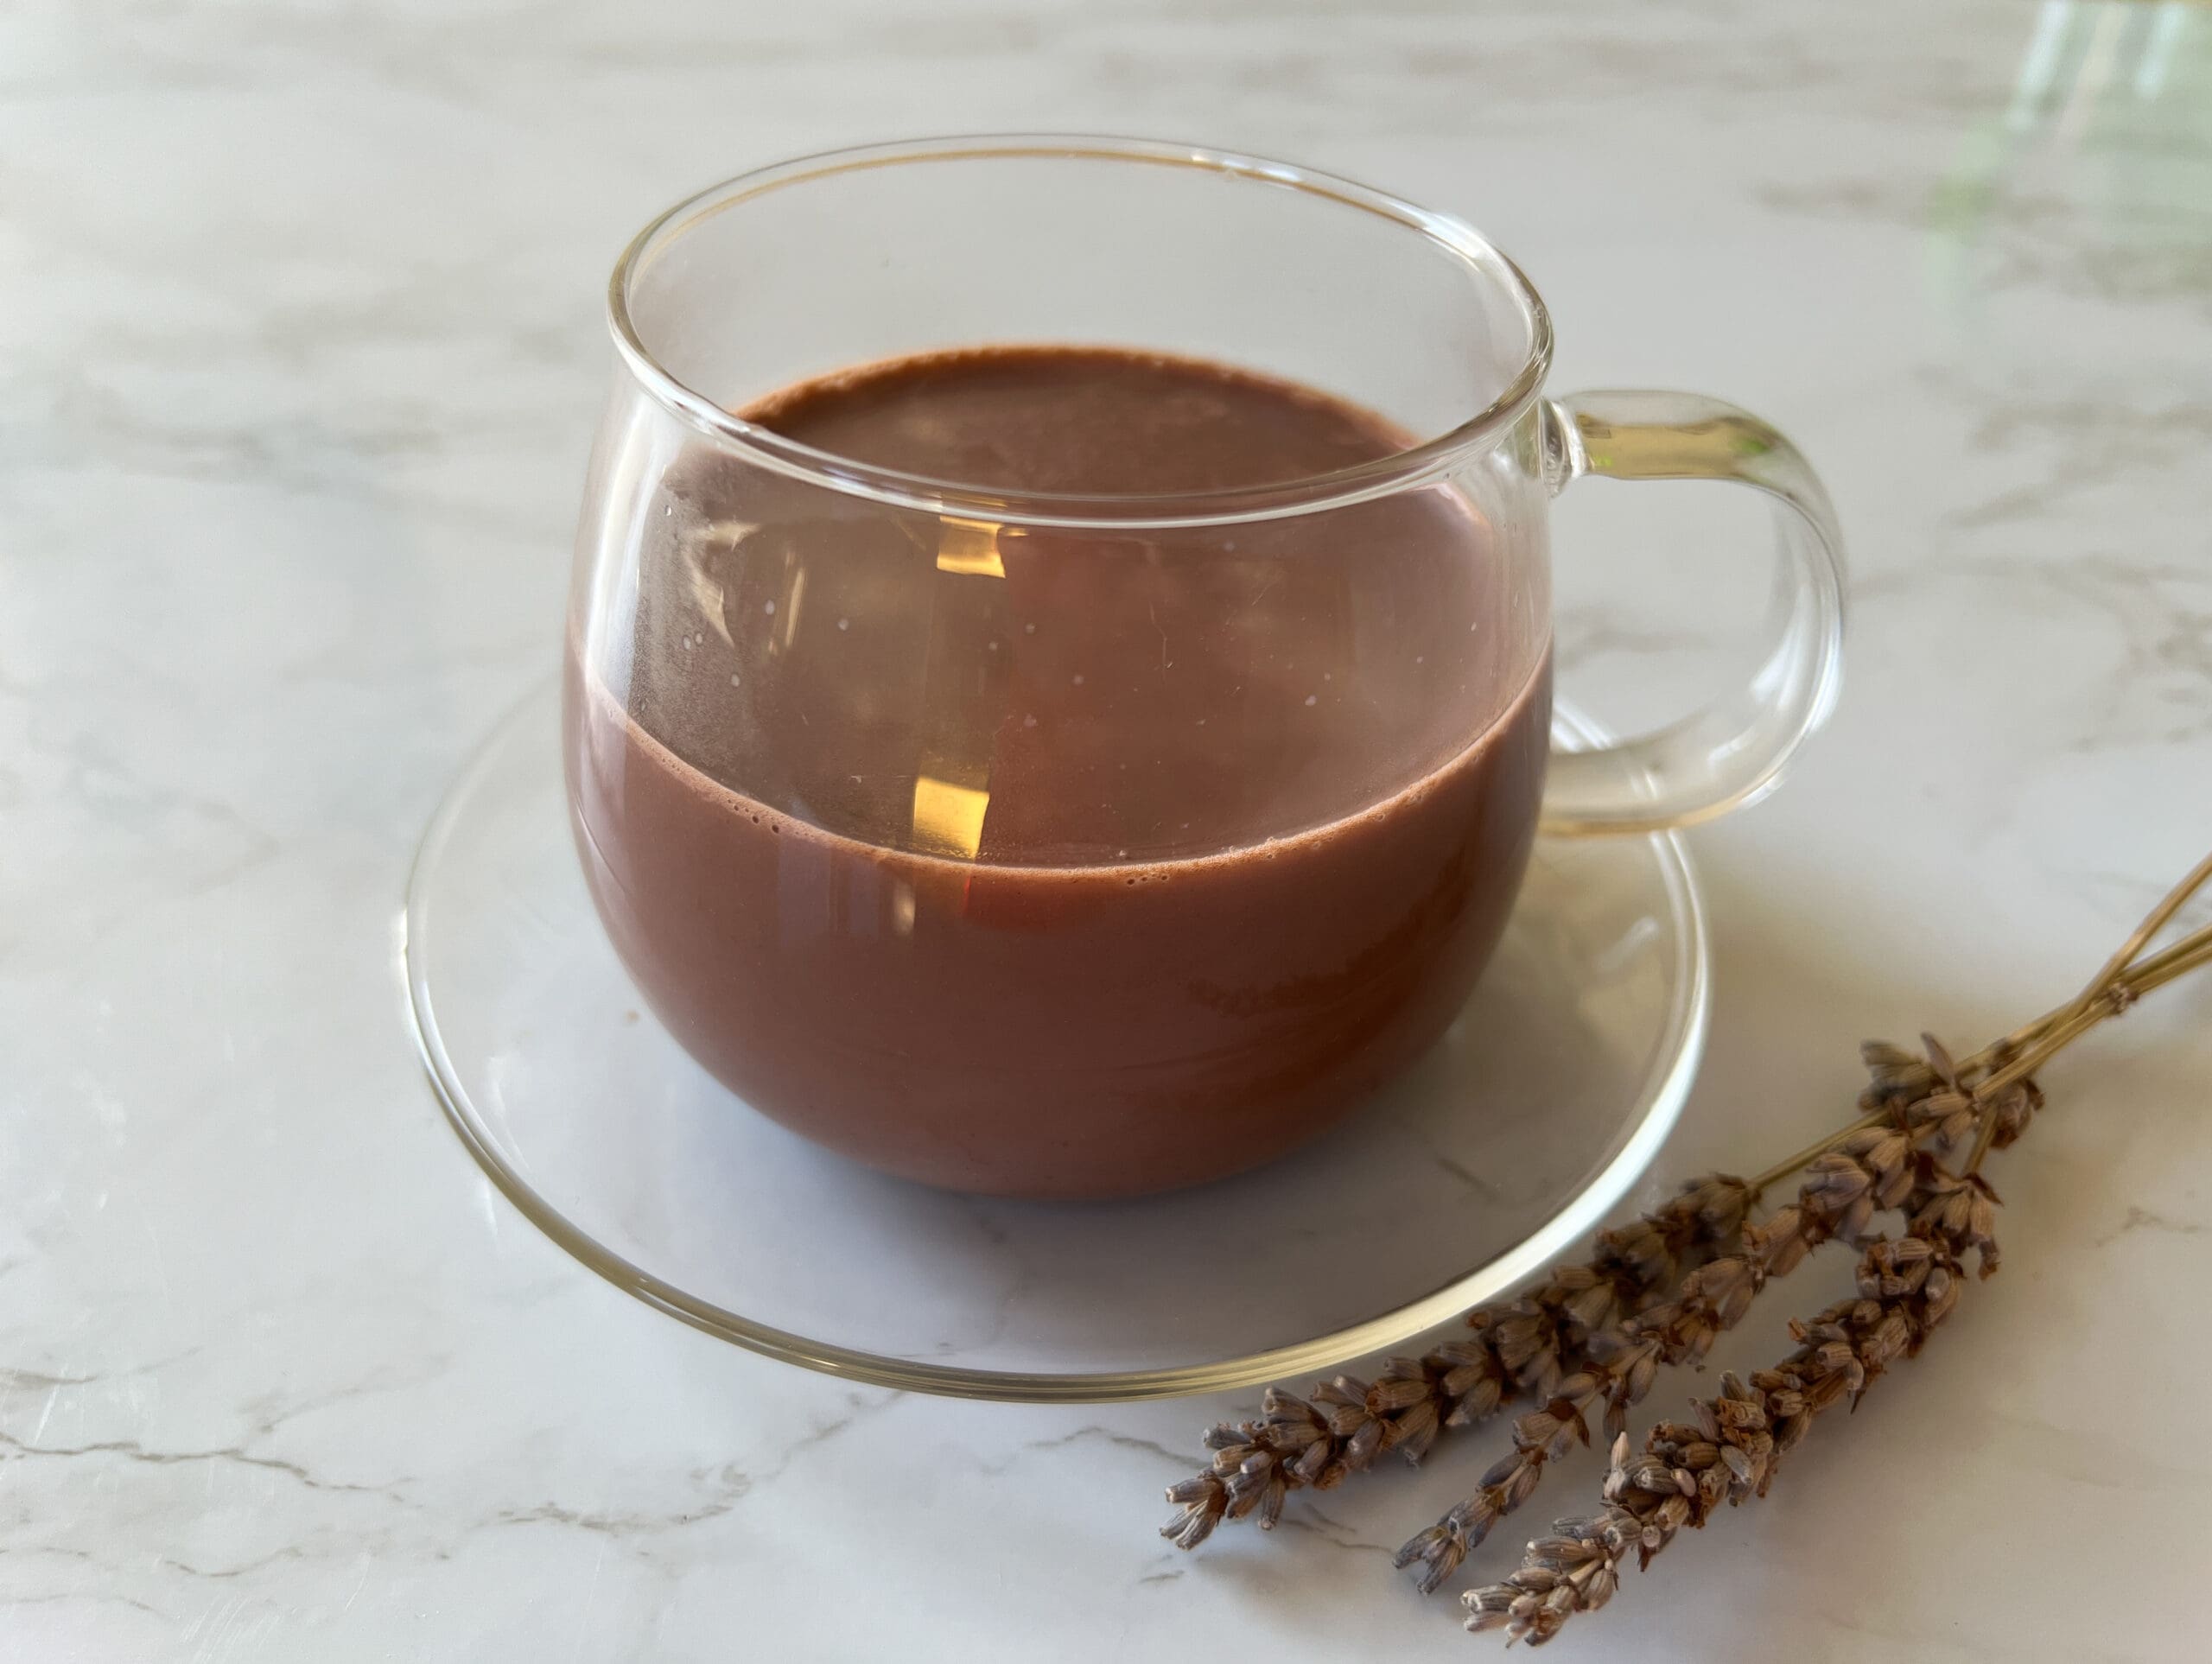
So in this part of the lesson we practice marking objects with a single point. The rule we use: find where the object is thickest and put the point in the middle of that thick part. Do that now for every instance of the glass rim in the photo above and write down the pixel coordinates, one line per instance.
(1419, 464)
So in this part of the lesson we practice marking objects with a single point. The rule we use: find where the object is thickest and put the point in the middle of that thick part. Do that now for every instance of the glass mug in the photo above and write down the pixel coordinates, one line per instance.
(1086, 842)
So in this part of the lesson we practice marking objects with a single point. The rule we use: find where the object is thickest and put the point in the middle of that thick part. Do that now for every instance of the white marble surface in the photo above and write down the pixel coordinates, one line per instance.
(301, 354)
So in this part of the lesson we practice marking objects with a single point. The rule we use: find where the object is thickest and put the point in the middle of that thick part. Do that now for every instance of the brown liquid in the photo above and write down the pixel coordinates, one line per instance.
(1205, 833)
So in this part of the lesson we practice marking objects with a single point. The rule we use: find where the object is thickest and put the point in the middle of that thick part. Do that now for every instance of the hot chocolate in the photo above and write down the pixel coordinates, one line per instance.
(1057, 861)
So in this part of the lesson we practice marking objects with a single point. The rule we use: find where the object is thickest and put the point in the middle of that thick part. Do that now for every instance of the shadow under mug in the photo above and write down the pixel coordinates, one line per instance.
(804, 693)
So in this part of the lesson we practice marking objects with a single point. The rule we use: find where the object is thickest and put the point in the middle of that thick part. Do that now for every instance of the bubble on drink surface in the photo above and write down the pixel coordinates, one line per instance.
(1312, 699)
(770, 609)
(1079, 678)
(1030, 721)
(1028, 629)
(735, 680)
(844, 624)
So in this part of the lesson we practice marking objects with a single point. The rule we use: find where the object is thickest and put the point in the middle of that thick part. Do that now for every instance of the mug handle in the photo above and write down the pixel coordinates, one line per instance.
(1732, 752)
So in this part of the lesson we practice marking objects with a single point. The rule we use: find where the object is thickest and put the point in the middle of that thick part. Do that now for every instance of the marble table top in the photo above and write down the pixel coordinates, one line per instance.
(303, 352)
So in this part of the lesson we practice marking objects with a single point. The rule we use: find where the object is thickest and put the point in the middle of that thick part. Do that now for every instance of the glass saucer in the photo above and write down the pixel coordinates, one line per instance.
(1499, 1152)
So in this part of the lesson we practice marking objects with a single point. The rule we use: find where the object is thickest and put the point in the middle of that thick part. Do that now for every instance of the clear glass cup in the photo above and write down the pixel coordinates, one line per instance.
(879, 791)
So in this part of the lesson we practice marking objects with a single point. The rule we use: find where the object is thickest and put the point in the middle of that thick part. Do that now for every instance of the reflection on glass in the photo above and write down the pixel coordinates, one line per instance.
(948, 817)
(969, 549)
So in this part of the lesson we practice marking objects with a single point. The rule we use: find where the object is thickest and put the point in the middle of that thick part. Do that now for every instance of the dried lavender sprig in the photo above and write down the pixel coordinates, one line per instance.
(1869, 1170)
(1910, 1098)
(1564, 1344)
(1866, 1168)
(1906, 1288)
(1930, 1096)
(1520, 1349)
